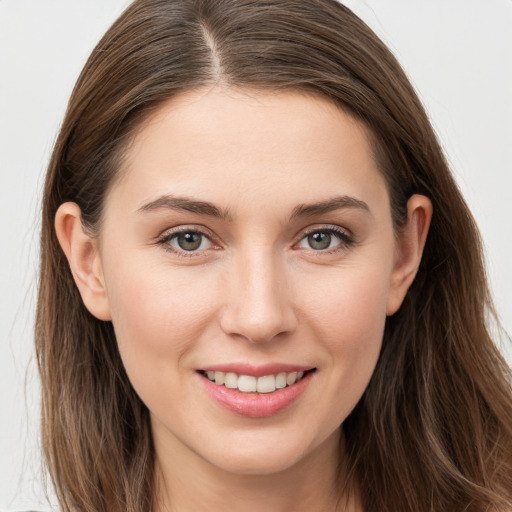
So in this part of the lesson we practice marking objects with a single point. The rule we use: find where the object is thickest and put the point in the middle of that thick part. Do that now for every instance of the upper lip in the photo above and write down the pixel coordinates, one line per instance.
(256, 370)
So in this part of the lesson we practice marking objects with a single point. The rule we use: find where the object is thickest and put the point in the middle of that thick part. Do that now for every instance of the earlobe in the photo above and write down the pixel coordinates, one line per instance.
(410, 245)
(84, 260)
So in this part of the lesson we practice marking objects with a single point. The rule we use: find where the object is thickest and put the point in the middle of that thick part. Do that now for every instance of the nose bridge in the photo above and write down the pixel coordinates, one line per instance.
(257, 306)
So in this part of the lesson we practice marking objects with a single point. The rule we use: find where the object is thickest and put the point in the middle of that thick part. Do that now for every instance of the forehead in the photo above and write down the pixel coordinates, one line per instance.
(238, 145)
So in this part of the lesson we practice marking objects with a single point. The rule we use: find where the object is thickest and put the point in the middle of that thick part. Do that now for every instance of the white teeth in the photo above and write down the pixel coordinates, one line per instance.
(251, 384)
(281, 380)
(247, 383)
(291, 378)
(266, 384)
(231, 380)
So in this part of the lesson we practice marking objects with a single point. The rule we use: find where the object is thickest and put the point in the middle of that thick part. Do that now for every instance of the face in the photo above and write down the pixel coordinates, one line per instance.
(248, 241)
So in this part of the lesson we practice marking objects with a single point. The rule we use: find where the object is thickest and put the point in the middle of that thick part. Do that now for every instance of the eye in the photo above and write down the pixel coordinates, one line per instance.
(186, 241)
(325, 239)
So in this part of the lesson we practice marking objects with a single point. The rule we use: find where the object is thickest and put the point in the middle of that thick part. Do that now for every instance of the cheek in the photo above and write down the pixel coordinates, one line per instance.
(158, 313)
(158, 316)
(348, 304)
(348, 315)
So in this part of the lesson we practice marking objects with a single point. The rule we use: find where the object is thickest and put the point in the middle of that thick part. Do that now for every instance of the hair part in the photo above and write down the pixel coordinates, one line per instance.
(433, 430)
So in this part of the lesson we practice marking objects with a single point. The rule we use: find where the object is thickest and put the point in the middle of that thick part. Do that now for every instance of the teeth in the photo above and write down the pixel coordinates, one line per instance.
(251, 384)
(291, 378)
(266, 384)
(281, 380)
(231, 380)
(247, 383)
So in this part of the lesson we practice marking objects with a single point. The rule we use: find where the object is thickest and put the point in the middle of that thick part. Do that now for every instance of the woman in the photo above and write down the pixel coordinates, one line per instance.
(260, 285)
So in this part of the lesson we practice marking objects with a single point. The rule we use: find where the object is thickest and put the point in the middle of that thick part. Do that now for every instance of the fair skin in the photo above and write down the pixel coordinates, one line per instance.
(294, 263)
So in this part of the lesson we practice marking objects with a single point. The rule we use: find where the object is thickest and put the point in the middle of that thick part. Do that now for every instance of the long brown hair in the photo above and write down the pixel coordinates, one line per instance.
(433, 430)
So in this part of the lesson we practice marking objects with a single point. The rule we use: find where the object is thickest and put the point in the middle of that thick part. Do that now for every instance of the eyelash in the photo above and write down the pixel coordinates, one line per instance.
(165, 240)
(346, 240)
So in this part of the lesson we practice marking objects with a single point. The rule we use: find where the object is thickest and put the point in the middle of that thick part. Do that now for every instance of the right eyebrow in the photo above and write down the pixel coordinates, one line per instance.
(322, 207)
(188, 204)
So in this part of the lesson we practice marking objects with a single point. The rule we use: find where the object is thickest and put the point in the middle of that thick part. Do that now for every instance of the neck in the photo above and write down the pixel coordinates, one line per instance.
(191, 483)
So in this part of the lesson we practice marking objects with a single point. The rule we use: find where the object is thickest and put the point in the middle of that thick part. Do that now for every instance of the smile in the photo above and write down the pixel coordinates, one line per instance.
(256, 396)
(252, 384)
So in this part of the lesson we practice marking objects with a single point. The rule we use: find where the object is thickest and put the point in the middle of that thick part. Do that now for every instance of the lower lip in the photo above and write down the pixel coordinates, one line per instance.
(256, 405)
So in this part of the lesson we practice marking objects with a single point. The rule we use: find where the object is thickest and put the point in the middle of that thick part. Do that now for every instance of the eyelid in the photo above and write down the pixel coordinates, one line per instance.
(165, 236)
(343, 234)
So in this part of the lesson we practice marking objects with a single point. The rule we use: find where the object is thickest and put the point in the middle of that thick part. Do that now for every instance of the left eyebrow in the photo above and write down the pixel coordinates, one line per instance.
(185, 204)
(336, 203)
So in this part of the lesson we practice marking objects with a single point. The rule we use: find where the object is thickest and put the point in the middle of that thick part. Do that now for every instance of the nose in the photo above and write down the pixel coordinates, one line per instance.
(257, 306)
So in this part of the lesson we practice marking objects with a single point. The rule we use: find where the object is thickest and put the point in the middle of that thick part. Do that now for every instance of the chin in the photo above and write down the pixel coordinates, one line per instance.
(262, 463)
(270, 455)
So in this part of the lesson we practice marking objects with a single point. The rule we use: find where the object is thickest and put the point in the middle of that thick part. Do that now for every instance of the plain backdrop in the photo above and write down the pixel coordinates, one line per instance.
(458, 54)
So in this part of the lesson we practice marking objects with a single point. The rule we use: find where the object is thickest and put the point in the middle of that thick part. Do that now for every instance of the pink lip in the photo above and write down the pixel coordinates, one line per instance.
(256, 371)
(256, 405)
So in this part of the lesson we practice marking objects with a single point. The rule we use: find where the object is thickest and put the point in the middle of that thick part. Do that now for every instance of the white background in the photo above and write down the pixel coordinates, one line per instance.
(458, 54)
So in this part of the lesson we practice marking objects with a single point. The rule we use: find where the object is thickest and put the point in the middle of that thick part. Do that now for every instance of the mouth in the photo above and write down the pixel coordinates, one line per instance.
(253, 384)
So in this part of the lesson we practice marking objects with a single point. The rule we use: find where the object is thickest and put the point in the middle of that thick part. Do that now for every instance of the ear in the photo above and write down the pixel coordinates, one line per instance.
(82, 253)
(410, 243)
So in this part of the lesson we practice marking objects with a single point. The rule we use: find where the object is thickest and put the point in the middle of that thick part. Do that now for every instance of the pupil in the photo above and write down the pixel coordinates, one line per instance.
(319, 240)
(189, 241)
